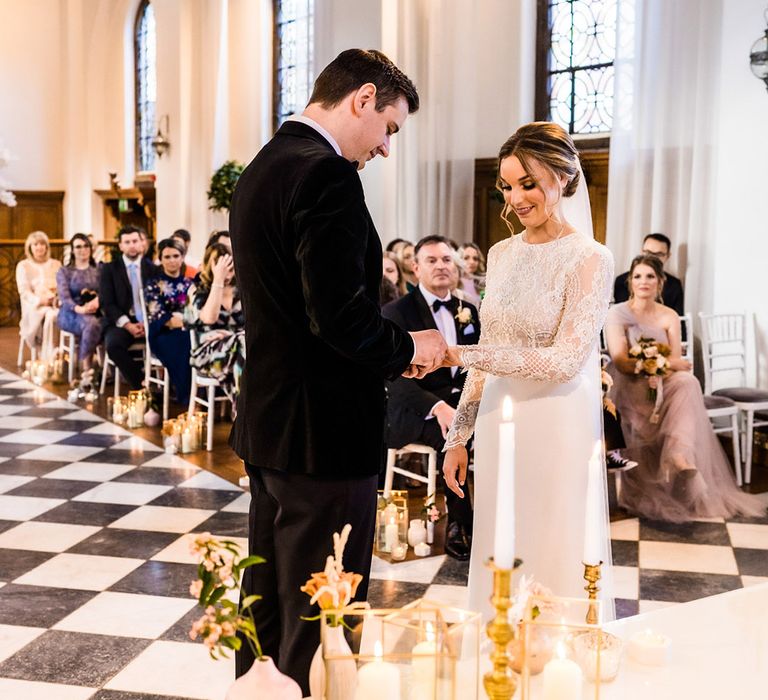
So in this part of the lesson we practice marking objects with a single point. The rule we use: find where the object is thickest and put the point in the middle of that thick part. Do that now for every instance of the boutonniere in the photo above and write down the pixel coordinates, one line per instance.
(463, 315)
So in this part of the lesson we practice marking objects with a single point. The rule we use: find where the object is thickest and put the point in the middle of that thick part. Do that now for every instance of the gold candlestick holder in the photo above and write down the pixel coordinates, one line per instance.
(500, 683)
(592, 576)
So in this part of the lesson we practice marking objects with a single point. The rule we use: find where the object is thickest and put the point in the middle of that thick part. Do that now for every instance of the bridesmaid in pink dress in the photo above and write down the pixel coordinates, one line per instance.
(683, 472)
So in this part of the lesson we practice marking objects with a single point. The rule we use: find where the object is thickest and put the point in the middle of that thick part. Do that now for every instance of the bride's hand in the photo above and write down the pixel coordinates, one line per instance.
(452, 357)
(456, 461)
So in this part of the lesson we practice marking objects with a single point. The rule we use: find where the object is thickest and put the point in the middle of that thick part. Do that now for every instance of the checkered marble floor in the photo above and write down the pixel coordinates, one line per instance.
(94, 566)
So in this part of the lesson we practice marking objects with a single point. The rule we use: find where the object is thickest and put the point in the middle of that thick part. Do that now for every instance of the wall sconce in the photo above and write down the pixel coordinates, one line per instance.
(758, 55)
(160, 143)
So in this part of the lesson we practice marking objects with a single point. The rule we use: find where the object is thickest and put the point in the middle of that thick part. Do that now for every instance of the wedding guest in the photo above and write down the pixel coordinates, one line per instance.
(683, 472)
(222, 237)
(421, 410)
(391, 270)
(394, 245)
(658, 245)
(218, 319)
(473, 273)
(36, 282)
(166, 298)
(185, 238)
(120, 289)
(405, 258)
(78, 287)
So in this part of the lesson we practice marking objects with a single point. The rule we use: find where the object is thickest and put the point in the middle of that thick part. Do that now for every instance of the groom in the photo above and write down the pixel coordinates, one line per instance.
(310, 417)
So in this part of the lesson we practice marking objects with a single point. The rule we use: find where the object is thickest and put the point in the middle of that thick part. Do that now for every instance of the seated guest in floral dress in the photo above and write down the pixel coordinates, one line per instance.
(36, 282)
(166, 298)
(78, 285)
(219, 322)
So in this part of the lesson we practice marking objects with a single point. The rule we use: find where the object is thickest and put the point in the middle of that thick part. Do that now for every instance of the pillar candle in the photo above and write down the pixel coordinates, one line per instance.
(595, 510)
(504, 540)
(378, 680)
(562, 678)
(425, 662)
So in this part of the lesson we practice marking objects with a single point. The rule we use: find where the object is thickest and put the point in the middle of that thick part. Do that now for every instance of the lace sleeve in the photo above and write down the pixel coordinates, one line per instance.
(463, 424)
(585, 306)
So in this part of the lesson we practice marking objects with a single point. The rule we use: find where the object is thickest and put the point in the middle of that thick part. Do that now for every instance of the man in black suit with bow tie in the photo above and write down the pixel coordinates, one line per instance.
(422, 410)
(311, 409)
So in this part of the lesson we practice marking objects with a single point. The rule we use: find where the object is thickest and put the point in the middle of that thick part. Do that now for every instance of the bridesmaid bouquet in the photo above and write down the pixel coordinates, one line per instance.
(651, 361)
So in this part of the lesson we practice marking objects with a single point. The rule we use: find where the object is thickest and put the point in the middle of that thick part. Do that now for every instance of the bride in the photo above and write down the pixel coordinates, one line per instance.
(547, 295)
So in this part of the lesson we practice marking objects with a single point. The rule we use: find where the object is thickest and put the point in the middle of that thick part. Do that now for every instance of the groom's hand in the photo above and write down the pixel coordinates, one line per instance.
(430, 350)
(455, 469)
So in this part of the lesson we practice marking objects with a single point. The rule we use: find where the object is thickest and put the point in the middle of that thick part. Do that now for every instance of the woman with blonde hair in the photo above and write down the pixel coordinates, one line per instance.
(36, 282)
(472, 281)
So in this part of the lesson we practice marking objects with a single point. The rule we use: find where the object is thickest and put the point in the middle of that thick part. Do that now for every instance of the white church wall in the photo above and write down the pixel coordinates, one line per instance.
(742, 205)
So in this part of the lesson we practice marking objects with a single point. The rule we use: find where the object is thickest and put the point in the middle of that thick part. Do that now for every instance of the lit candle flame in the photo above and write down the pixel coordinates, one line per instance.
(507, 409)
(378, 650)
(430, 632)
(561, 650)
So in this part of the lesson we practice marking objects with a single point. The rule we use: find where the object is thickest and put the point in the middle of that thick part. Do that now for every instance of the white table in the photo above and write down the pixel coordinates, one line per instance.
(719, 650)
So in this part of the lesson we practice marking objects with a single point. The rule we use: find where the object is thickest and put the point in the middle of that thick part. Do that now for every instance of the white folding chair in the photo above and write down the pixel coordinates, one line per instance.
(138, 348)
(210, 384)
(20, 358)
(724, 347)
(430, 479)
(716, 406)
(68, 349)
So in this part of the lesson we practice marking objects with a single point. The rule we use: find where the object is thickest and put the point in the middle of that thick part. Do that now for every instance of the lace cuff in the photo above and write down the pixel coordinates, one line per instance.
(463, 425)
(496, 360)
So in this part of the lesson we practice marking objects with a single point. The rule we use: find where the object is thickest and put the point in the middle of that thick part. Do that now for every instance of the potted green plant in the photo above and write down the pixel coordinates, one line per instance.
(223, 183)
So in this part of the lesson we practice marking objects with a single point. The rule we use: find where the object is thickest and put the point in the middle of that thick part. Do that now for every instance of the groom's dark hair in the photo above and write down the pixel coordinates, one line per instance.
(355, 67)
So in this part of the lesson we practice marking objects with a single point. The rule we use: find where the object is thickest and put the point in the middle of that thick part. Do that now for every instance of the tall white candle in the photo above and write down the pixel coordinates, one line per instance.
(504, 539)
(378, 680)
(562, 678)
(391, 533)
(595, 509)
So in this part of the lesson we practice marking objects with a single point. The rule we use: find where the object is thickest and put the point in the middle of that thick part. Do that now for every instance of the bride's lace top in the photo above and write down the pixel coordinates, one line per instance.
(544, 307)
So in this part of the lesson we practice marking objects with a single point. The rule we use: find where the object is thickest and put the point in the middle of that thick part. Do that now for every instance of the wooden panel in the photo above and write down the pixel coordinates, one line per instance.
(34, 211)
(129, 206)
(595, 166)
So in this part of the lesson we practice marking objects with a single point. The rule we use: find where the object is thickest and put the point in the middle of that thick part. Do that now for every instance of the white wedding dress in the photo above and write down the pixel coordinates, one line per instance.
(544, 307)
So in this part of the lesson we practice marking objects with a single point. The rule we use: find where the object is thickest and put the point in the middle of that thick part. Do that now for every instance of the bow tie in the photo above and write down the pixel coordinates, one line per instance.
(451, 304)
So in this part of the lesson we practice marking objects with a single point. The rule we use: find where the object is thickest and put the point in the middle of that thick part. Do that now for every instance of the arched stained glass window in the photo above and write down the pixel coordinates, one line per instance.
(145, 78)
(580, 45)
(293, 57)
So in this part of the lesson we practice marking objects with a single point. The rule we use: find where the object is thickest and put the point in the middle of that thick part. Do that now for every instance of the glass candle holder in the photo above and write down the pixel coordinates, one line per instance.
(564, 657)
(199, 421)
(117, 408)
(423, 651)
(188, 437)
(172, 434)
(391, 521)
(38, 372)
(137, 407)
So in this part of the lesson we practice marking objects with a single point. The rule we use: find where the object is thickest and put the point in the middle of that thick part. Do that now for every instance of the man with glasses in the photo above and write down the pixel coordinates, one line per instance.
(658, 245)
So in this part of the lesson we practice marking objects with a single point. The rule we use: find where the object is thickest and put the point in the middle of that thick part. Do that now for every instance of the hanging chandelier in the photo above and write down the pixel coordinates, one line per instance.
(758, 55)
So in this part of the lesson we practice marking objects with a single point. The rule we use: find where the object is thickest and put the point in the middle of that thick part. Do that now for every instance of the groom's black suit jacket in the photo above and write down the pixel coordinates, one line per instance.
(308, 265)
(410, 400)
(115, 292)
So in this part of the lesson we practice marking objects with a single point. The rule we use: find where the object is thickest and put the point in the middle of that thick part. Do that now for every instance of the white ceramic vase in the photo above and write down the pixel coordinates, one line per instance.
(342, 683)
(264, 682)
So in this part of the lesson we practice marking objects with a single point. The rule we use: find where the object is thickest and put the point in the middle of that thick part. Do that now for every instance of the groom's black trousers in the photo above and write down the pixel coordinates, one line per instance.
(292, 520)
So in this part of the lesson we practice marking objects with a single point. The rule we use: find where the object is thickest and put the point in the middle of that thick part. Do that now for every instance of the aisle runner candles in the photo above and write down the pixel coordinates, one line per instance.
(186, 433)
(137, 406)
(504, 540)
(593, 540)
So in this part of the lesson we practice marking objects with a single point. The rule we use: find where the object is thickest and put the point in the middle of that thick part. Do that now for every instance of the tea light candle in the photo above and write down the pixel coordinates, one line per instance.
(422, 550)
(378, 680)
(562, 678)
(650, 648)
(399, 551)
(425, 662)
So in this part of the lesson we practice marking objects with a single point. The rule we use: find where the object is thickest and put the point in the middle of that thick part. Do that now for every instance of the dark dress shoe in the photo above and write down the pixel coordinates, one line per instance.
(458, 542)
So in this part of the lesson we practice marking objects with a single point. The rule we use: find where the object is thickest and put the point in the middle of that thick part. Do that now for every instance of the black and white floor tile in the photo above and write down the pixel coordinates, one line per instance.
(95, 569)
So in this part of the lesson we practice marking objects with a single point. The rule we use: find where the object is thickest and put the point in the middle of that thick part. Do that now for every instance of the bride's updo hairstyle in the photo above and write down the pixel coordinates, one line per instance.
(548, 144)
(655, 264)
